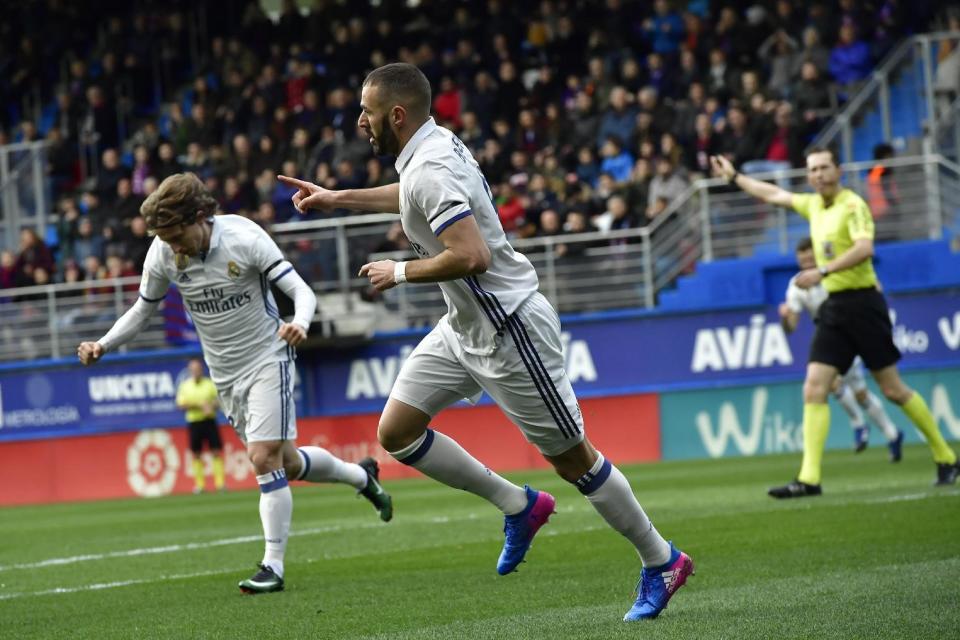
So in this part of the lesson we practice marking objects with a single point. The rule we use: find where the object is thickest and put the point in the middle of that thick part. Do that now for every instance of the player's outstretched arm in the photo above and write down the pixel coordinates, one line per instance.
(771, 193)
(123, 330)
(385, 199)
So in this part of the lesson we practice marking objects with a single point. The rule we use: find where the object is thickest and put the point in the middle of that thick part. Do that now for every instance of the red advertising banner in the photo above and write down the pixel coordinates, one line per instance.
(157, 462)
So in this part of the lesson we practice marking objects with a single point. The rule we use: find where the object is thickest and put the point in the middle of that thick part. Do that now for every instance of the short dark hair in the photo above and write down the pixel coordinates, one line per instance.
(833, 154)
(804, 244)
(403, 83)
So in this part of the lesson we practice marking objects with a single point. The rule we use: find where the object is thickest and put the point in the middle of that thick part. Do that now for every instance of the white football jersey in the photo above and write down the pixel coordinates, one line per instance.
(441, 183)
(227, 294)
(809, 300)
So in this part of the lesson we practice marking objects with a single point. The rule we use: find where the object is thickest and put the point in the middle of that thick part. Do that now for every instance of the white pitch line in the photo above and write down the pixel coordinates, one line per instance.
(114, 585)
(172, 548)
(193, 546)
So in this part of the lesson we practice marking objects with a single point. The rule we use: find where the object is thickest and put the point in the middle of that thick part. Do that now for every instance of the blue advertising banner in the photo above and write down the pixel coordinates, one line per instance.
(107, 397)
(767, 418)
(609, 354)
(634, 353)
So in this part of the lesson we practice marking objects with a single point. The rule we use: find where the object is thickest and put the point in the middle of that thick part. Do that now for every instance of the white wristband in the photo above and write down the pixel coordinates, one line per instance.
(400, 273)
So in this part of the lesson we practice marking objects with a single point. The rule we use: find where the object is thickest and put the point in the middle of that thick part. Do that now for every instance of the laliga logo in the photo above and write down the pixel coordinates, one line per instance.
(152, 463)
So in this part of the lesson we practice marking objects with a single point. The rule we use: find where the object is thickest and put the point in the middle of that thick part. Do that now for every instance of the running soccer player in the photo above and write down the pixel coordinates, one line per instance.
(223, 266)
(850, 389)
(499, 335)
(853, 320)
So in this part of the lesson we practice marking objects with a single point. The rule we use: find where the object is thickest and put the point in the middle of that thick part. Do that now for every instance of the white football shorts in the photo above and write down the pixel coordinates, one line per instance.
(525, 376)
(260, 405)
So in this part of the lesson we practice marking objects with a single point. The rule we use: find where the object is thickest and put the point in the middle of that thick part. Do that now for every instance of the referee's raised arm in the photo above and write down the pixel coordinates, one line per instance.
(767, 192)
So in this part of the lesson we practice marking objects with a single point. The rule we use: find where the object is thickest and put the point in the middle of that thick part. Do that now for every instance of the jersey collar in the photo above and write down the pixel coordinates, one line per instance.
(215, 233)
(425, 129)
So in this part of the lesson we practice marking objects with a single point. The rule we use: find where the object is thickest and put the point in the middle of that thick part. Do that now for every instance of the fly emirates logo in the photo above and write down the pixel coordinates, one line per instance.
(759, 344)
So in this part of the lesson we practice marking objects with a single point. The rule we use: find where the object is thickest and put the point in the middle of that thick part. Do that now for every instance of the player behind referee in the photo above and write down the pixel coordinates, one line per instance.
(854, 319)
(197, 395)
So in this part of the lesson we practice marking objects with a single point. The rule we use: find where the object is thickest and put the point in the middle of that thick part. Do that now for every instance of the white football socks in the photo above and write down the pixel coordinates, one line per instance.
(276, 511)
(319, 465)
(609, 492)
(441, 458)
(880, 418)
(848, 401)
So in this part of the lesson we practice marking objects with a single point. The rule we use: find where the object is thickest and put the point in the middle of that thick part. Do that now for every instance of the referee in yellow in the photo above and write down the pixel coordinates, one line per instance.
(197, 395)
(853, 321)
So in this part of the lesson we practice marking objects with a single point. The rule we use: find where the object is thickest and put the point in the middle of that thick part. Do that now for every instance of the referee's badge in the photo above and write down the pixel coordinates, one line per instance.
(233, 270)
(181, 260)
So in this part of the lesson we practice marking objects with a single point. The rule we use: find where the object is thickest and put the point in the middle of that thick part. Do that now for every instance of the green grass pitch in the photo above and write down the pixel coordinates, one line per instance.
(878, 556)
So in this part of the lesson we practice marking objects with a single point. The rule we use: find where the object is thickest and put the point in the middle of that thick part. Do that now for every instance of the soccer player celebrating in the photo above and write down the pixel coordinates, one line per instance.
(852, 321)
(224, 266)
(850, 389)
(500, 335)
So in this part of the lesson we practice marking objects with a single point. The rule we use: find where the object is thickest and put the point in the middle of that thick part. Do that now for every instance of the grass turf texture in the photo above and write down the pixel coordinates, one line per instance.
(878, 556)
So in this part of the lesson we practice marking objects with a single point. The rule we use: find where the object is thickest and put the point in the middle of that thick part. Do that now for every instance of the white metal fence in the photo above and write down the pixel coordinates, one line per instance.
(592, 272)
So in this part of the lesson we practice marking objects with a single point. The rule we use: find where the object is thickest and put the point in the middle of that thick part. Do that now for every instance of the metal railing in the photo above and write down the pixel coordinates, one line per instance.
(578, 272)
(917, 89)
(25, 197)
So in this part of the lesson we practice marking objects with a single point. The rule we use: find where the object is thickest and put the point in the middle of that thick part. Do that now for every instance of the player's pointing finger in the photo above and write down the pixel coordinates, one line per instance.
(295, 182)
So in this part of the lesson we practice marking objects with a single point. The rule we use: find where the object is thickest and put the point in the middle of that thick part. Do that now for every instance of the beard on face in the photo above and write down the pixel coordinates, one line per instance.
(386, 143)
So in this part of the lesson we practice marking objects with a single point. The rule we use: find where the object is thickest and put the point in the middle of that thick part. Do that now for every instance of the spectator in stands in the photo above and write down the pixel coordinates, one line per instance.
(448, 103)
(664, 31)
(619, 119)
(510, 207)
(109, 174)
(736, 139)
(705, 144)
(779, 143)
(136, 244)
(10, 275)
(616, 160)
(779, 53)
(811, 96)
(142, 168)
(667, 185)
(167, 163)
(33, 254)
(882, 193)
(100, 124)
(850, 60)
(87, 242)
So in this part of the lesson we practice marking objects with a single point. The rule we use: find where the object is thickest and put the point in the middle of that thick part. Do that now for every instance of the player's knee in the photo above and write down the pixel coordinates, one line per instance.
(394, 437)
(895, 391)
(862, 398)
(815, 391)
(264, 459)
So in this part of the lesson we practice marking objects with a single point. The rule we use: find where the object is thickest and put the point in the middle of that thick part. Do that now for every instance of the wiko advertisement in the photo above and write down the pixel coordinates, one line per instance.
(768, 418)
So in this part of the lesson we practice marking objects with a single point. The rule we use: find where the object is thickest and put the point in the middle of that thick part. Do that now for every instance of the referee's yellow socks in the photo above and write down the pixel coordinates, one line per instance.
(218, 476)
(919, 414)
(816, 426)
(197, 474)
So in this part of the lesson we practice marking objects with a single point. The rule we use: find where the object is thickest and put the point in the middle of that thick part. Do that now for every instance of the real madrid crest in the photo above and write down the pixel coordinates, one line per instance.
(181, 260)
(233, 270)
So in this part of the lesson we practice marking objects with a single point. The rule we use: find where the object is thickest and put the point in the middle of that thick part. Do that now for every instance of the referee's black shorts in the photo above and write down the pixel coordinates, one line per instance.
(204, 431)
(851, 323)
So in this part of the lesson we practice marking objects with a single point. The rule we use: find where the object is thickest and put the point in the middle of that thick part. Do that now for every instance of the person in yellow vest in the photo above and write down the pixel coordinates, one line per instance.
(197, 395)
(854, 319)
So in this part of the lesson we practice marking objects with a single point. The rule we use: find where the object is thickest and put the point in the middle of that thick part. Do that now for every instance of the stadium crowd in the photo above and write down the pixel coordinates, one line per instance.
(583, 115)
